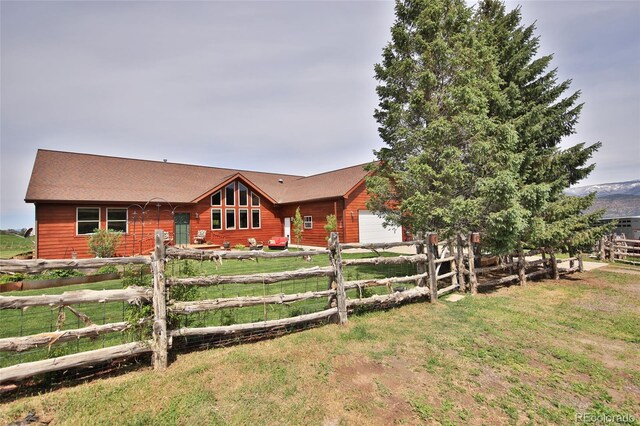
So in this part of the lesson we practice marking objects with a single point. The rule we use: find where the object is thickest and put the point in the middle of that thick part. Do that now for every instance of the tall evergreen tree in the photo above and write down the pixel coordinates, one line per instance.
(449, 166)
(543, 111)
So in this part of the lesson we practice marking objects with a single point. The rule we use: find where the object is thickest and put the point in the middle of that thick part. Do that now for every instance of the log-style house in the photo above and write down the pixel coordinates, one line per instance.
(76, 193)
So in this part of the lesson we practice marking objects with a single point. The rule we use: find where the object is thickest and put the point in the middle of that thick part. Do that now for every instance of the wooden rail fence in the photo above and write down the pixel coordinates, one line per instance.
(428, 284)
(620, 249)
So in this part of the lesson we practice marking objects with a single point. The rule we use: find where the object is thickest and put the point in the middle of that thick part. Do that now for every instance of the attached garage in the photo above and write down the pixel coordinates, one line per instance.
(372, 231)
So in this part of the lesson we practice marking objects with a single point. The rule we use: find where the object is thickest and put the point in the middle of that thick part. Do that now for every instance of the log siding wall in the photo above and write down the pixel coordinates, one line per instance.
(56, 223)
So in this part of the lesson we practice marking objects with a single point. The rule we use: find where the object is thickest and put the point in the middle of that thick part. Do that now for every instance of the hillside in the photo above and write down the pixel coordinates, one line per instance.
(617, 198)
(12, 244)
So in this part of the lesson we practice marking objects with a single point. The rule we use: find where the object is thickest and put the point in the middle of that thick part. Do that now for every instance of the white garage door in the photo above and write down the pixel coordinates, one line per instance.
(372, 231)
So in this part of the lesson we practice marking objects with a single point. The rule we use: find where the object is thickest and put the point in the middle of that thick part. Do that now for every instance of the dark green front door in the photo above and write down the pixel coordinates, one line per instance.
(181, 224)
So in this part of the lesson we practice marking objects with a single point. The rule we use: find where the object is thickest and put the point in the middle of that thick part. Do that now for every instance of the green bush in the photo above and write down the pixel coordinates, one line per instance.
(108, 269)
(6, 278)
(136, 314)
(239, 247)
(104, 242)
(58, 273)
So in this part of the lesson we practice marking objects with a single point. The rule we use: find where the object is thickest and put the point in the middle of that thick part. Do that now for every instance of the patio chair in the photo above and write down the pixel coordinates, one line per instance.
(253, 245)
(166, 239)
(201, 237)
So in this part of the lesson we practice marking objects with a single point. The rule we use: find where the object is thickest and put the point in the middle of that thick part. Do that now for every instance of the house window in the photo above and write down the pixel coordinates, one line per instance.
(230, 195)
(117, 220)
(255, 200)
(243, 195)
(230, 219)
(216, 199)
(87, 219)
(243, 218)
(255, 218)
(308, 222)
(216, 219)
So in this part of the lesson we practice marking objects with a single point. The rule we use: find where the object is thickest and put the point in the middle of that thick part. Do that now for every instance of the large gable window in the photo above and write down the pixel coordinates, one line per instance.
(255, 218)
(255, 200)
(243, 218)
(243, 195)
(230, 218)
(117, 220)
(216, 219)
(230, 194)
(216, 199)
(87, 219)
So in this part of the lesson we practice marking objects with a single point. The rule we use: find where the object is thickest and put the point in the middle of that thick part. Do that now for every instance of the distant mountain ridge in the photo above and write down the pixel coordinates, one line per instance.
(631, 187)
(619, 199)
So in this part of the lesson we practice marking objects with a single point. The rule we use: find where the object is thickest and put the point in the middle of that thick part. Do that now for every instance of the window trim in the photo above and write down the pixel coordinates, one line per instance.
(259, 219)
(240, 222)
(258, 197)
(221, 227)
(226, 200)
(226, 226)
(126, 220)
(78, 221)
(211, 199)
(310, 221)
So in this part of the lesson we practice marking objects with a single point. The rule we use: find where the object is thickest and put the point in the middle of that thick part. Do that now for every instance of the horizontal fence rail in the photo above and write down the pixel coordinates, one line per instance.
(254, 326)
(244, 301)
(269, 278)
(181, 253)
(132, 294)
(30, 369)
(40, 265)
(20, 344)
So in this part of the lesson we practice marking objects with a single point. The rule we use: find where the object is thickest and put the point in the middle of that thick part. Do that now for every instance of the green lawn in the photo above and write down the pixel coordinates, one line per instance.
(11, 244)
(541, 354)
(45, 319)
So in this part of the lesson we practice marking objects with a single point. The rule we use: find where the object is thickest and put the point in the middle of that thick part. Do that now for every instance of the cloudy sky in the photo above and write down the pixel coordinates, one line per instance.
(271, 86)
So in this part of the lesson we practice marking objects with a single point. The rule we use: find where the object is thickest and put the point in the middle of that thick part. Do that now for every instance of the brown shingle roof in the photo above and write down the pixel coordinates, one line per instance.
(66, 176)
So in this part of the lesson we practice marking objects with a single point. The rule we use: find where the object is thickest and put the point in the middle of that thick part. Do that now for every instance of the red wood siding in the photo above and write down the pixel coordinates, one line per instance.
(57, 239)
(56, 230)
(318, 210)
(355, 202)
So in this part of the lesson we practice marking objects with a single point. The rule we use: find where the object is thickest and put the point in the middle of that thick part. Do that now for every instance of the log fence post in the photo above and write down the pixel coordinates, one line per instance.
(453, 263)
(335, 257)
(473, 280)
(580, 263)
(571, 255)
(460, 262)
(160, 338)
(554, 265)
(421, 267)
(611, 249)
(601, 252)
(432, 244)
(522, 265)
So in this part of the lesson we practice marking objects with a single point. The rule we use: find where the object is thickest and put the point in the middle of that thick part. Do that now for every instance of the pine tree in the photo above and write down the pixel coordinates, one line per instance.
(449, 166)
(543, 113)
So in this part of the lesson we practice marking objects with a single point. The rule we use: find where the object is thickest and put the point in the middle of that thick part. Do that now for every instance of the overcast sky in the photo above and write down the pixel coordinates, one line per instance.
(270, 86)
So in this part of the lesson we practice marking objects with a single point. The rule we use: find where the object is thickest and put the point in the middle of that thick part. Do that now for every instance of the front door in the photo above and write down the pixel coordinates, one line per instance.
(287, 227)
(181, 228)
